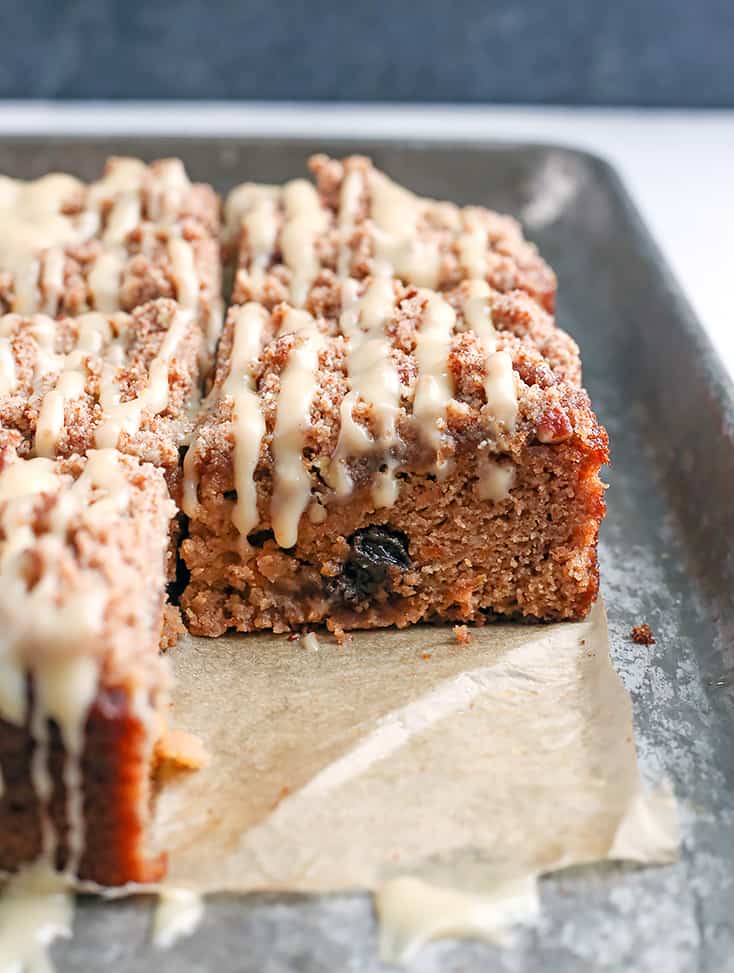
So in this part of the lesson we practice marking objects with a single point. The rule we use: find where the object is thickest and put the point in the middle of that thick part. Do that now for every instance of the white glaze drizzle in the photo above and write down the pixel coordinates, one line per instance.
(254, 211)
(292, 482)
(167, 185)
(305, 218)
(124, 184)
(249, 424)
(104, 281)
(190, 492)
(32, 221)
(178, 913)
(36, 907)
(399, 248)
(499, 387)
(71, 376)
(473, 246)
(35, 230)
(124, 217)
(350, 194)
(97, 335)
(372, 377)
(434, 387)
(119, 416)
(499, 382)
(183, 267)
(52, 279)
(412, 913)
(248, 327)
(494, 479)
(70, 385)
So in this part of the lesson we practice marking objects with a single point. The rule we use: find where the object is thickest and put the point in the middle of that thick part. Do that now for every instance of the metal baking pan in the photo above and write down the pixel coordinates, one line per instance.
(667, 553)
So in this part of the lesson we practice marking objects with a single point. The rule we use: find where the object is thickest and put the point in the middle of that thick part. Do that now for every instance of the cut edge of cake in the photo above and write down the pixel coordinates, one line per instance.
(83, 686)
(322, 427)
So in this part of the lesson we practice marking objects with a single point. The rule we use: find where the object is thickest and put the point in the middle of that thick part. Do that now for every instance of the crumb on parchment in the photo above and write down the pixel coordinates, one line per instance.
(180, 749)
(642, 634)
(463, 635)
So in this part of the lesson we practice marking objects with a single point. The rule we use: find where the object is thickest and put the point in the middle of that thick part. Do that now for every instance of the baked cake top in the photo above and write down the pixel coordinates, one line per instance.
(140, 232)
(377, 377)
(124, 380)
(82, 548)
(357, 222)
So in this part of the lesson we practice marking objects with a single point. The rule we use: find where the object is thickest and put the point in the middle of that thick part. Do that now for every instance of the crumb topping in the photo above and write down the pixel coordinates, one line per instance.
(127, 381)
(373, 377)
(357, 222)
(138, 233)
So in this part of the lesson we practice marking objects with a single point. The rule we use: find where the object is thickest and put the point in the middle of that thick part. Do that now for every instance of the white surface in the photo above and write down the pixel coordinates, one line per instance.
(678, 166)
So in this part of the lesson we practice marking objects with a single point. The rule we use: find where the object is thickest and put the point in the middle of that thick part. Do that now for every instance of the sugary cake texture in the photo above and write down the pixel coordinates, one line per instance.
(396, 459)
(82, 594)
(138, 233)
(357, 222)
(127, 381)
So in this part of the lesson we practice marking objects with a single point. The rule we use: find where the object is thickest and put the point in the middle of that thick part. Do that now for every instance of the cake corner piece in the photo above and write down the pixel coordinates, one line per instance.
(82, 684)
(387, 463)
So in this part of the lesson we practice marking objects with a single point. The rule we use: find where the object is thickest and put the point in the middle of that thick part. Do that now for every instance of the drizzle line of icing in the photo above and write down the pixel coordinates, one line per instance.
(249, 424)
(119, 416)
(372, 377)
(292, 482)
(499, 382)
(434, 388)
(39, 220)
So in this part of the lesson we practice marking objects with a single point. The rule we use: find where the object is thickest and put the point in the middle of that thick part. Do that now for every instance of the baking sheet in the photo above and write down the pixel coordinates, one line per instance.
(666, 553)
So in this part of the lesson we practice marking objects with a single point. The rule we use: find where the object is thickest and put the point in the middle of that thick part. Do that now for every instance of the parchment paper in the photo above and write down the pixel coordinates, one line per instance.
(406, 754)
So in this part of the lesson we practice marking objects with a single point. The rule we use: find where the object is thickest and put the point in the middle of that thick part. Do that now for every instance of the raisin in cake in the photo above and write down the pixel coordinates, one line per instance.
(394, 459)
(82, 684)
(357, 222)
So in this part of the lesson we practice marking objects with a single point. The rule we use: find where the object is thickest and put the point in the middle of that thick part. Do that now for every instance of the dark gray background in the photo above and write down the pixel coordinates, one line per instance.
(623, 52)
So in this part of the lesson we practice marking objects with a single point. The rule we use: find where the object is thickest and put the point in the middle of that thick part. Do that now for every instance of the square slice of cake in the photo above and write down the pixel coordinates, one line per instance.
(357, 222)
(393, 459)
(127, 381)
(138, 233)
(82, 684)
